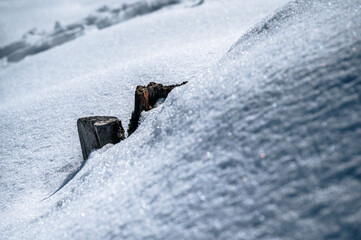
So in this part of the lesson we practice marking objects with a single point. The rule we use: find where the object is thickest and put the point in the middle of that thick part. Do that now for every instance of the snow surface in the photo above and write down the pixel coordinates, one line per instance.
(20, 16)
(35, 41)
(263, 144)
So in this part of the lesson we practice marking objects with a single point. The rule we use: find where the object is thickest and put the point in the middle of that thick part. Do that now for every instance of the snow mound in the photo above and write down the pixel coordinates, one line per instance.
(262, 145)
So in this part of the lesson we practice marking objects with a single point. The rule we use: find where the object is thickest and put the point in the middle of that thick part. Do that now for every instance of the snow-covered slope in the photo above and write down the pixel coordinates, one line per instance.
(264, 144)
(35, 41)
(19, 16)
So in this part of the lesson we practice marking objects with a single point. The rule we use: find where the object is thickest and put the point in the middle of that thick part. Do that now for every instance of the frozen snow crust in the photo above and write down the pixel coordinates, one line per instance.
(262, 145)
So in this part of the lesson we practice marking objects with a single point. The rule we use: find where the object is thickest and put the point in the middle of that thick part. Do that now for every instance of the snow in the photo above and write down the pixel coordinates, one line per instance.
(261, 144)
(20, 16)
(35, 41)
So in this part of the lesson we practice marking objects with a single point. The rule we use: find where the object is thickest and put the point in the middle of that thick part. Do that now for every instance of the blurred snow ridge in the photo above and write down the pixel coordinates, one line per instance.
(34, 42)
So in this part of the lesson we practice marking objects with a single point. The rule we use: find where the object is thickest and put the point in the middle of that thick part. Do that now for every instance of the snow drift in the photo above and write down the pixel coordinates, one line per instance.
(263, 144)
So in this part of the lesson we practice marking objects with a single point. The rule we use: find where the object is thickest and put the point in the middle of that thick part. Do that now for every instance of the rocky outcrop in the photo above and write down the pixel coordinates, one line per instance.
(145, 98)
(95, 132)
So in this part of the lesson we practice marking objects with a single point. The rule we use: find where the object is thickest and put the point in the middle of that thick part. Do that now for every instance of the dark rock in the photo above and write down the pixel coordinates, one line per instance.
(11, 48)
(95, 132)
(145, 98)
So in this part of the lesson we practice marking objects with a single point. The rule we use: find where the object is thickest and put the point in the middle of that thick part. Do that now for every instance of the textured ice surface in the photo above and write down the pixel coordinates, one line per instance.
(265, 144)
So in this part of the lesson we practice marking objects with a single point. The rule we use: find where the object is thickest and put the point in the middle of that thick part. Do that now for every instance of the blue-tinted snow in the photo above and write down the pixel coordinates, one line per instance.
(20, 16)
(264, 144)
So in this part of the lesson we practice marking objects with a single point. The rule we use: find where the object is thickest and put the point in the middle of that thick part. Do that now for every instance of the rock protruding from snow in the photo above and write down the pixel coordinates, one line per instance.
(95, 132)
(145, 99)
